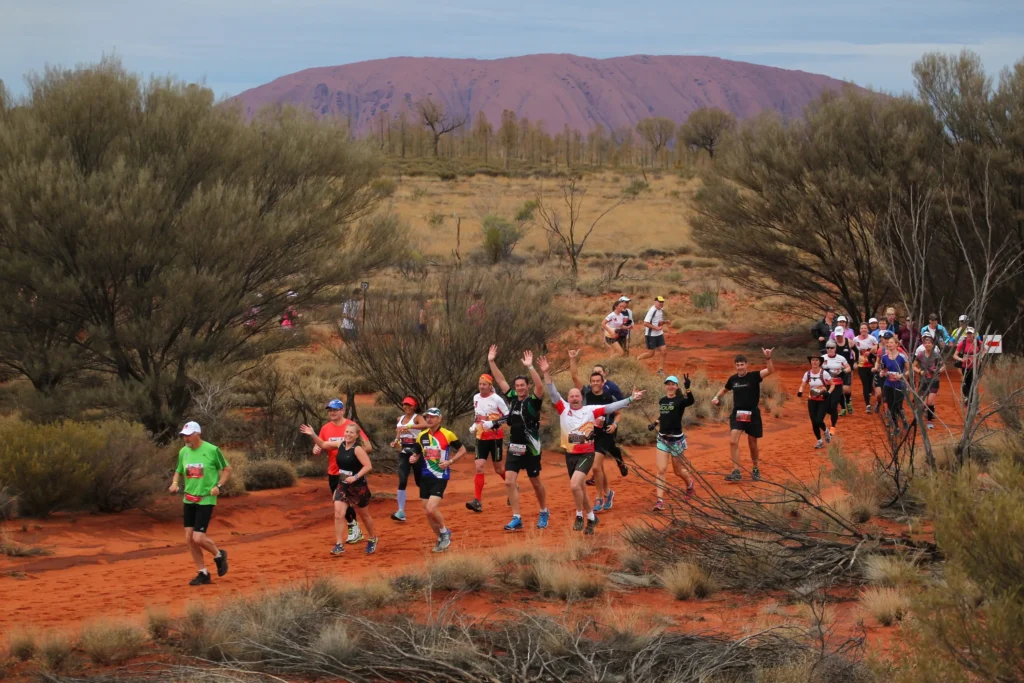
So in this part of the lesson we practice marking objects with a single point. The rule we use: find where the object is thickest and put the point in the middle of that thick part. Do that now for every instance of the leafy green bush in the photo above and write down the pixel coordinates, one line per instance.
(272, 473)
(500, 238)
(705, 300)
(384, 187)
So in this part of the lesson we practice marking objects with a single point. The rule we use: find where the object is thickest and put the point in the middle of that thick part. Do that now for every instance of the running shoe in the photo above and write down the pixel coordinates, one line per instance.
(371, 546)
(931, 426)
(355, 534)
(819, 444)
(398, 516)
(578, 524)
(829, 433)
(445, 541)
(734, 476)
(475, 505)
(659, 505)
(202, 579)
(222, 562)
(623, 470)
(867, 409)
(542, 519)
(590, 482)
(437, 546)
(755, 474)
(690, 490)
(608, 500)
(338, 549)
(591, 523)
(515, 525)
(598, 504)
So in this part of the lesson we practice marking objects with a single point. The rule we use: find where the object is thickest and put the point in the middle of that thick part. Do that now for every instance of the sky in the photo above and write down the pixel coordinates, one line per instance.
(233, 45)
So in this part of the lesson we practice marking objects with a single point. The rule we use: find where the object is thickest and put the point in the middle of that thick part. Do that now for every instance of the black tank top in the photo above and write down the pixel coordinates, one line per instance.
(347, 460)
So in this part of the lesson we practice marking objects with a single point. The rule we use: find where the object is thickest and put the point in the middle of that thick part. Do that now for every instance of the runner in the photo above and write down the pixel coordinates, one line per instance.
(746, 412)
(434, 444)
(938, 332)
(353, 490)
(604, 438)
(867, 353)
(845, 348)
(524, 437)
(891, 323)
(205, 471)
(332, 434)
(893, 366)
(837, 367)
(968, 350)
(671, 439)
(872, 327)
(822, 330)
(928, 365)
(615, 328)
(409, 425)
(842, 329)
(577, 423)
(909, 337)
(488, 406)
(819, 381)
(958, 333)
(883, 326)
(627, 324)
(612, 390)
(654, 333)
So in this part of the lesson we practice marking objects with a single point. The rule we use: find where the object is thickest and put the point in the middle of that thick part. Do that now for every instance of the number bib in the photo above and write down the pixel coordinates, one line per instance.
(743, 415)
(517, 449)
(818, 393)
(345, 473)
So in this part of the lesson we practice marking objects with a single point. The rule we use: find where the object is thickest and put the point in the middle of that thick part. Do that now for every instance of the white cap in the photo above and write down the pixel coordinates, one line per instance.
(872, 320)
(963, 318)
(970, 330)
(842, 317)
(191, 428)
(625, 298)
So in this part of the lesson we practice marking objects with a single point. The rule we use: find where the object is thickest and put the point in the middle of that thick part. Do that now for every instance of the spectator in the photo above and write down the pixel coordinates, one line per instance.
(909, 337)
(958, 333)
(351, 316)
(893, 325)
(822, 329)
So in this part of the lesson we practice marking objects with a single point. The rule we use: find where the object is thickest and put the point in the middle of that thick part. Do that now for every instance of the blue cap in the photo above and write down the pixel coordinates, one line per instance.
(671, 378)
(335, 404)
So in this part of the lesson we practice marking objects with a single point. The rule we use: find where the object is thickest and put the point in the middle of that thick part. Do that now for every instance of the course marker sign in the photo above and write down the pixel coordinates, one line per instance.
(993, 343)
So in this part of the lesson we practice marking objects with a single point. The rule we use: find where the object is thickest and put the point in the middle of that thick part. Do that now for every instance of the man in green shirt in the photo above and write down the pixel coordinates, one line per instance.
(205, 471)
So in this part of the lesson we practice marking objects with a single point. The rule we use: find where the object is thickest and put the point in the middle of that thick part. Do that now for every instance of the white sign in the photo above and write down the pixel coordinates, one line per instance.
(993, 343)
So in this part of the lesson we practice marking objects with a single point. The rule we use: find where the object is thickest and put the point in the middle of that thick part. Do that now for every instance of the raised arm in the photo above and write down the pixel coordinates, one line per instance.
(538, 386)
(618, 405)
(574, 368)
(492, 354)
(769, 368)
(545, 368)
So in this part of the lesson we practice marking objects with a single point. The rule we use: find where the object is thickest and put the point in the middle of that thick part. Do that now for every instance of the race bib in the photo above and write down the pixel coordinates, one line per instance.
(432, 453)
(345, 473)
(408, 440)
(818, 392)
(193, 499)
(517, 449)
(577, 438)
(194, 471)
(743, 415)
(894, 376)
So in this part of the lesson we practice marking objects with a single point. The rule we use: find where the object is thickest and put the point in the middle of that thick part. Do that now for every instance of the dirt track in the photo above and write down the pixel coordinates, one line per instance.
(113, 565)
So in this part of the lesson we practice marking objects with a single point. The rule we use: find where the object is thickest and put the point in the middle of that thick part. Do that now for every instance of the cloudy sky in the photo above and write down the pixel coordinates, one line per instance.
(233, 45)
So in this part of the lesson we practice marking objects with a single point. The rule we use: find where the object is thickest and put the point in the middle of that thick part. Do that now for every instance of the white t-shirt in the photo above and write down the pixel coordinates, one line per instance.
(835, 366)
(864, 347)
(818, 384)
(489, 408)
(654, 317)
(614, 321)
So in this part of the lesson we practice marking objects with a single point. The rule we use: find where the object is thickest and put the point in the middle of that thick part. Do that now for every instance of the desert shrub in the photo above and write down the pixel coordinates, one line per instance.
(158, 623)
(435, 219)
(336, 643)
(419, 193)
(500, 238)
(54, 652)
(865, 486)
(239, 463)
(21, 644)
(636, 187)
(685, 580)
(448, 176)
(272, 473)
(384, 187)
(891, 571)
(111, 642)
(371, 595)
(407, 584)
(460, 573)
(1003, 380)
(312, 468)
(107, 466)
(886, 605)
(10, 548)
(8, 504)
(632, 561)
(569, 582)
(706, 298)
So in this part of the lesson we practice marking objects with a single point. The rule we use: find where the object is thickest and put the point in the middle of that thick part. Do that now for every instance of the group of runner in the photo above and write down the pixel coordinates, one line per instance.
(893, 360)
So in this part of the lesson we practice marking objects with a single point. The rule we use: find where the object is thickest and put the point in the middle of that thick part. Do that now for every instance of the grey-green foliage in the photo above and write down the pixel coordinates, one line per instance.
(140, 220)
(500, 238)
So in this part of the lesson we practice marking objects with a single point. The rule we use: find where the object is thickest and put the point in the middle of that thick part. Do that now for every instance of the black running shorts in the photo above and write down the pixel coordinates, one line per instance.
(197, 517)
(356, 494)
(332, 481)
(530, 463)
(752, 428)
(654, 342)
(579, 462)
(488, 449)
(431, 486)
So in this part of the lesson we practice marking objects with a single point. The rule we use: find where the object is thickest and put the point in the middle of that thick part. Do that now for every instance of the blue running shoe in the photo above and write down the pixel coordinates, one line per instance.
(371, 546)
(608, 500)
(515, 525)
(339, 549)
(542, 519)
(598, 504)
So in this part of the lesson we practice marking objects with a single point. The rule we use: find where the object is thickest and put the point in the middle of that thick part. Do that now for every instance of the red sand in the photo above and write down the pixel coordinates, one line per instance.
(111, 565)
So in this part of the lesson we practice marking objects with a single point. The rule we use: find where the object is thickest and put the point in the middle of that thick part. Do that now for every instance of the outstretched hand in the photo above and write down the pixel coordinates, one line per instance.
(543, 364)
(306, 429)
(686, 381)
(768, 352)
(574, 353)
(637, 394)
(492, 353)
(528, 359)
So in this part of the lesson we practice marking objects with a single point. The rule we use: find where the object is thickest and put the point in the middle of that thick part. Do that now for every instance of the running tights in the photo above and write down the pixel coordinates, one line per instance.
(968, 382)
(835, 399)
(866, 383)
(817, 411)
(893, 397)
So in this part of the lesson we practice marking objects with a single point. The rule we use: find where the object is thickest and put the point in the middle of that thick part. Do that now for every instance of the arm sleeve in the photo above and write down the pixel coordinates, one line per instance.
(556, 398)
(611, 407)
(454, 445)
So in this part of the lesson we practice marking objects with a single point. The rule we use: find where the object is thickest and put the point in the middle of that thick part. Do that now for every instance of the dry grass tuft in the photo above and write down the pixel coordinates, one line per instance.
(576, 547)
(21, 644)
(686, 580)
(460, 573)
(885, 570)
(11, 548)
(54, 652)
(335, 643)
(632, 561)
(406, 584)
(158, 623)
(568, 582)
(372, 595)
(109, 642)
(633, 628)
(886, 605)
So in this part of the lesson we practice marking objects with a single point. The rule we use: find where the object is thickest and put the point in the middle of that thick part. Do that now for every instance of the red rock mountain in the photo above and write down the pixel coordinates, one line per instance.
(560, 90)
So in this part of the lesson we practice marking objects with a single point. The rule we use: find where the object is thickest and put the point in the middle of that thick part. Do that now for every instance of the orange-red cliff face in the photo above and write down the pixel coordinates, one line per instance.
(560, 90)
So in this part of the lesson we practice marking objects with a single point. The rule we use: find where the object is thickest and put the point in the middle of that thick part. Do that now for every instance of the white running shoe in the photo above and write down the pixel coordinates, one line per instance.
(355, 534)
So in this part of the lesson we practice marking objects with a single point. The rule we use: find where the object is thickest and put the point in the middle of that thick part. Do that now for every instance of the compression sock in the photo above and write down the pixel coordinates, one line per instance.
(478, 486)
(931, 413)
(401, 500)
(590, 516)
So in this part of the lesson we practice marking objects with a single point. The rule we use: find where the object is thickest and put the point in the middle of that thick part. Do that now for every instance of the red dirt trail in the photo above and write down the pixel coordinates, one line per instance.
(113, 565)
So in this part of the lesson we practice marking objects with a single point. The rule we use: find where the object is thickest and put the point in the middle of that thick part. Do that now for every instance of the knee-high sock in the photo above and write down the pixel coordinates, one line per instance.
(478, 486)
(401, 499)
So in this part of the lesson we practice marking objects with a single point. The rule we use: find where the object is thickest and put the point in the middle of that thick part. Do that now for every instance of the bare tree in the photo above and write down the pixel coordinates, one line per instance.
(564, 224)
(438, 119)
(705, 128)
(657, 131)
